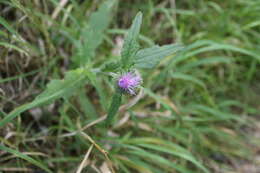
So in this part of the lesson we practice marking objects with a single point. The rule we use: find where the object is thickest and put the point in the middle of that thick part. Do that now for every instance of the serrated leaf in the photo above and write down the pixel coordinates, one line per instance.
(63, 88)
(131, 45)
(110, 66)
(114, 106)
(55, 89)
(150, 57)
(93, 32)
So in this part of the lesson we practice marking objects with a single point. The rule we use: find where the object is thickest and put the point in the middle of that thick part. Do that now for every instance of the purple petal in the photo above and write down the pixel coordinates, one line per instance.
(129, 81)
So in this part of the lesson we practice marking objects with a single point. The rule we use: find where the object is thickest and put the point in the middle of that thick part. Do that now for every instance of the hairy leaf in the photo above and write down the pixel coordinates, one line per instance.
(63, 88)
(55, 89)
(93, 32)
(131, 45)
(150, 57)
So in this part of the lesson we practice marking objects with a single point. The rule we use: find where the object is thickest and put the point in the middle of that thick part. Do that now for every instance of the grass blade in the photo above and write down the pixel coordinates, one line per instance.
(25, 157)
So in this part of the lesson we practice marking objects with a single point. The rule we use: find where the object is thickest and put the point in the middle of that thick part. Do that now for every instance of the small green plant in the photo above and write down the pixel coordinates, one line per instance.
(132, 59)
(147, 109)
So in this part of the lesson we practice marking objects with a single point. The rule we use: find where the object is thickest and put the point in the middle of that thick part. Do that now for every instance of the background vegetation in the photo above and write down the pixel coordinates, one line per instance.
(198, 110)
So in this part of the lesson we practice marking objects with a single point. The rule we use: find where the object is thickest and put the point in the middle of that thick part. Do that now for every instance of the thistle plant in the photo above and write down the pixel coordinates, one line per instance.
(193, 125)
(132, 59)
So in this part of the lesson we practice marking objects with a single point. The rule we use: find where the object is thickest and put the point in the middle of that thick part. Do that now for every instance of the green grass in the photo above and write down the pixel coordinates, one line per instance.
(197, 111)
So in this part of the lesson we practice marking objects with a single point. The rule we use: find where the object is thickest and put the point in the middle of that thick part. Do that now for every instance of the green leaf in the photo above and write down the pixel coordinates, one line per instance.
(150, 57)
(158, 99)
(157, 159)
(63, 88)
(203, 46)
(55, 89)
(213, 113)
(131, 45)
(171, 150)
(93, 32)
(113, 109)
(207, 61)
(134, 164)
(11, 46)
(143, 38)
(7, 26)
(110, 66)
(14, 35)
(25, 157)
(166, 147)
(222, 46)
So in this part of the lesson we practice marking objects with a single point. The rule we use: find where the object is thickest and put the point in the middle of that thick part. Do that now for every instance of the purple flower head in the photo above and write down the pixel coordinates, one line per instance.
(129, 82)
